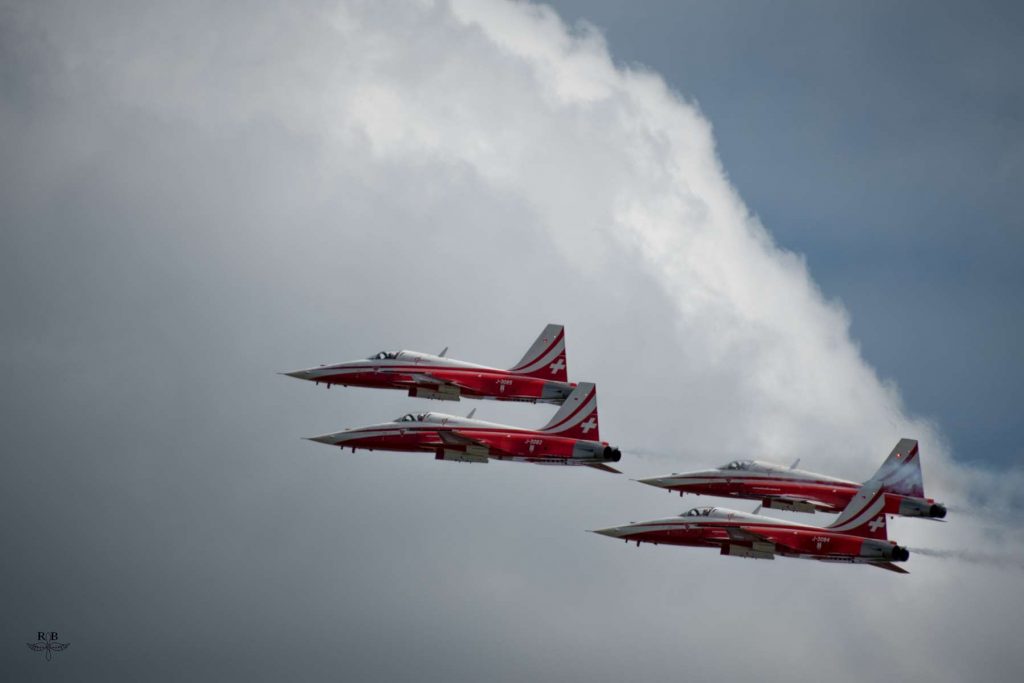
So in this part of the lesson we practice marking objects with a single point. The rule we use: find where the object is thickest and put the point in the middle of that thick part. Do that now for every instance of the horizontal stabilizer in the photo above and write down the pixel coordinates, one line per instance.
(604, 468)
(890, 566)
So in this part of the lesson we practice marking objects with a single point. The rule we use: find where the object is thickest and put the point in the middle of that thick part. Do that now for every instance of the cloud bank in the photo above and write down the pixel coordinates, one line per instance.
(199, 196)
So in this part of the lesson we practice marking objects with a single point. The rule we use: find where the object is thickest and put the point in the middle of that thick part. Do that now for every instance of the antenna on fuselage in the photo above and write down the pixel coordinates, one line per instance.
(471, 414)
(757, 510)
(795, 463)
(443, 351)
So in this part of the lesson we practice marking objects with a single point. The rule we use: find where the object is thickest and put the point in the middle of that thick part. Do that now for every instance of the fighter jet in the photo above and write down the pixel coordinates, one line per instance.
(540, 377)
(570, 438)
(788, 488)
(858, 535)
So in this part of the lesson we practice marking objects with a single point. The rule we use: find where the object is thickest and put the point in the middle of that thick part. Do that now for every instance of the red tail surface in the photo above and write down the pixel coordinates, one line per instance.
(546, 358)
(865, 515)
(577, 418)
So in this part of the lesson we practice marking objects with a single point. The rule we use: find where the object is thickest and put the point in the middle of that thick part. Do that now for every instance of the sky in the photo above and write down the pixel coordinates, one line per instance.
(196, 197)
(883, 142)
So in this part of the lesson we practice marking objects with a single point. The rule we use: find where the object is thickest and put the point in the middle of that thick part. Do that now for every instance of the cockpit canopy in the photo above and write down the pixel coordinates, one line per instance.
(413, 417)
(384, 355)
(698, 512)
(739, 465)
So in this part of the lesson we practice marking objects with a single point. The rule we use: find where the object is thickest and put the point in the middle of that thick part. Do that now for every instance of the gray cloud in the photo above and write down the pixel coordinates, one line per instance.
(200, 197)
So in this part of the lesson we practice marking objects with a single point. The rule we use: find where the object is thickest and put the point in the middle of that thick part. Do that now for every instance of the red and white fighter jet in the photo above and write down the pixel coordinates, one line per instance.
(787, 488)
(572, 437)
(858, 536)
(540, 377)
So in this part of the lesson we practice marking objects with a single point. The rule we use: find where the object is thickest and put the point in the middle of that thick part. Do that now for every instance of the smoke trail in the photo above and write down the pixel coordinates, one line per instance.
(1001, 515)
(705, 458)
(651, 454)
(972, 557)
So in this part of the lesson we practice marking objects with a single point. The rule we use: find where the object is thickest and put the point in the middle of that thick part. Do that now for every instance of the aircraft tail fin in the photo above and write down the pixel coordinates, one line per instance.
(901, 471)
(546, 358)
(865, 514)
(900, 474)
(577, 418)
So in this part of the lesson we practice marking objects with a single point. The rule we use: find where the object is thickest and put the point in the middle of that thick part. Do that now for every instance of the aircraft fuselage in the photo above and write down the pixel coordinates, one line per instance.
(788, 489)
(455, 438)
(754, 536)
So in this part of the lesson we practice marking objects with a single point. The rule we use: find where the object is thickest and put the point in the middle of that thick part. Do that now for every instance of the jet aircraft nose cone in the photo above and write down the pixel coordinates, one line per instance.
(660, 482)
(298, 374)
(329, 439)
(612, 532)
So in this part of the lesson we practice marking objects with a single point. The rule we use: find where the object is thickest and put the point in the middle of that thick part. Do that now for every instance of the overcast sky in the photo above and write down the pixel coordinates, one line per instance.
(195, 197)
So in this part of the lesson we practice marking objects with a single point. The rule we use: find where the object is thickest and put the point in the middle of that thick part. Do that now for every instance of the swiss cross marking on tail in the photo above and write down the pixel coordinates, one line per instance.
(557, 365)
(877, 524)
(588, 425)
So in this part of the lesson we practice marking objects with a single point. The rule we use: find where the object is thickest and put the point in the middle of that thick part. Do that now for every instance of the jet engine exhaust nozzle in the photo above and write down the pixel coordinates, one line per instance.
(900, 554)
(612, 454)
(937, 510)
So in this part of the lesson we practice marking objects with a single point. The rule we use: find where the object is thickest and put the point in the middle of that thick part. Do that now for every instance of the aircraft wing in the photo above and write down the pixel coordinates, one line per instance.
(738, 533)
(792, 499)
(426, 384)
(890, 566)
(472, 445)
(803, 502)
(463, 448)
(453, 437)
(428, 378)
(748, 535)
(417, 378)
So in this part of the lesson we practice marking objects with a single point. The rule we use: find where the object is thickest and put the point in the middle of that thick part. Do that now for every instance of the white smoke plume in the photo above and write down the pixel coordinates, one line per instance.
(973, 557)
